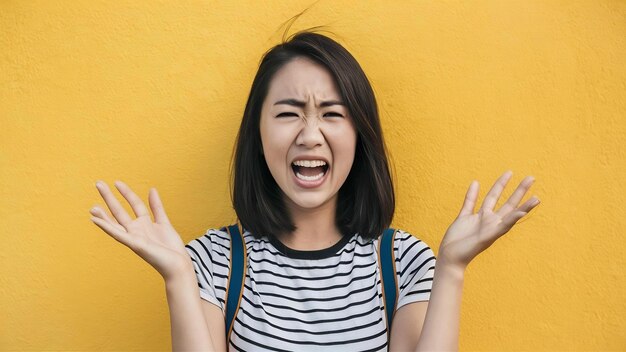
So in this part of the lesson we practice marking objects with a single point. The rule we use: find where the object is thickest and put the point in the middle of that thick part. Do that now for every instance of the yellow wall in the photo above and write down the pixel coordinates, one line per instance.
(152, 93)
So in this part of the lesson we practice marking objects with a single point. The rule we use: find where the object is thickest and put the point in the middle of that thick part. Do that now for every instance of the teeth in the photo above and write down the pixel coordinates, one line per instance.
(309, 163)
(309, 178)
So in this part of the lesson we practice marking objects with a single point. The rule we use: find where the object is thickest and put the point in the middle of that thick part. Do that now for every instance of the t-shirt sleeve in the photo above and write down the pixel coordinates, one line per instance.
(415, 267)
(210, 255)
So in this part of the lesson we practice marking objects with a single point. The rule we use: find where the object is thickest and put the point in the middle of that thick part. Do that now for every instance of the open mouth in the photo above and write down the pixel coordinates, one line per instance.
(309, 170)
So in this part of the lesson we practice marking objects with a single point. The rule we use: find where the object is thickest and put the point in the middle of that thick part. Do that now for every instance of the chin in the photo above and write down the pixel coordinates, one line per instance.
(310, 202)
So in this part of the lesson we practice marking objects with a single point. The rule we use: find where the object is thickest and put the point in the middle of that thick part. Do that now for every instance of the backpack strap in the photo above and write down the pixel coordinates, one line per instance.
(387, 262)
(236, 276)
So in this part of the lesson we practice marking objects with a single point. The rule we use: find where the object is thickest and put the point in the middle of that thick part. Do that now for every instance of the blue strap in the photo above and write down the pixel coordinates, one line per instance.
(388, 274)
(236, 276)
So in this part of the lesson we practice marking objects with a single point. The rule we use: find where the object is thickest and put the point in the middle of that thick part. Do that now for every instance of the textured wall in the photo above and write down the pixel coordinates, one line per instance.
(151, 92)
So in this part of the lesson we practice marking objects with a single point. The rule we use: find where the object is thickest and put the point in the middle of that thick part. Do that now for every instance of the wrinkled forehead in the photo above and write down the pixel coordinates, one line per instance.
(302, 79)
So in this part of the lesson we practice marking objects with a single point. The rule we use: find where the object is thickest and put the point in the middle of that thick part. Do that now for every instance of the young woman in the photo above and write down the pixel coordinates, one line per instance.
(313, 193)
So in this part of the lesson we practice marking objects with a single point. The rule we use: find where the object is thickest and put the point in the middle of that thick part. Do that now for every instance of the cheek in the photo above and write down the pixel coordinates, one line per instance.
(275, 148)
(343, 147)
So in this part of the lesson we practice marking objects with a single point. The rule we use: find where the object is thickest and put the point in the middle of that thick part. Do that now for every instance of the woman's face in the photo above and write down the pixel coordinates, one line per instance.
(307, 134)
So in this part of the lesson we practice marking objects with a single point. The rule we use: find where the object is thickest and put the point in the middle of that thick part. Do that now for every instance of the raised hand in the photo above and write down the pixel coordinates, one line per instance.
(471, 233)
(156, 242)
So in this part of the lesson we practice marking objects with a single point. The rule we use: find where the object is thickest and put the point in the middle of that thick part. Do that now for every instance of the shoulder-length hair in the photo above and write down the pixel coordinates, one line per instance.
(366, 200)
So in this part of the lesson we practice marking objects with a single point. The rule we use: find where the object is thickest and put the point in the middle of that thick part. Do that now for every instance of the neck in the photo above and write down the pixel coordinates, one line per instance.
(315, 228)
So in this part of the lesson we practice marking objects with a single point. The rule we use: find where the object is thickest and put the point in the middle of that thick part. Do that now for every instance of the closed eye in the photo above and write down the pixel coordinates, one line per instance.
(287, 114)
(294, 114)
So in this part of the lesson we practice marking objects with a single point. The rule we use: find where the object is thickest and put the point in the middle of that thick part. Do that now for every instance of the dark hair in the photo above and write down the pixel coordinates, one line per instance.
(366, 200)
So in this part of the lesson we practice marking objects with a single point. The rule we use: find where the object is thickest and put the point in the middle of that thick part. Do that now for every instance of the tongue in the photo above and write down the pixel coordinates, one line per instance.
(310, 171)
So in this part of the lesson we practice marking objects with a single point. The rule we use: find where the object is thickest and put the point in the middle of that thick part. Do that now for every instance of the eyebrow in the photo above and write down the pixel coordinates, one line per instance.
(298, 103)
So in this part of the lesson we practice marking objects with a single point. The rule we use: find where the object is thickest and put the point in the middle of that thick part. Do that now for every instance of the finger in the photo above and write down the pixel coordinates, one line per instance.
(114, 205)
(133, 199)
(517, 196)
(496, 190)
(100, 213)
(114, 232)
(508, 221)
(470, 199)
(157, 207)
(529, 205)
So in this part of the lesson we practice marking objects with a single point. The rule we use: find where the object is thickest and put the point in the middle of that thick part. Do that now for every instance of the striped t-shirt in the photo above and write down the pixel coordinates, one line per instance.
(321, 300)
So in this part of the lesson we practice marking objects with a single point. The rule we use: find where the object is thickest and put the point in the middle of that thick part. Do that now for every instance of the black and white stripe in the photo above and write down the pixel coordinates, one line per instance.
(326, 300)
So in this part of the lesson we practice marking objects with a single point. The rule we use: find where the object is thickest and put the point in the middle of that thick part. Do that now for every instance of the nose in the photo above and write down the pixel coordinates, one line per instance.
(310, 135)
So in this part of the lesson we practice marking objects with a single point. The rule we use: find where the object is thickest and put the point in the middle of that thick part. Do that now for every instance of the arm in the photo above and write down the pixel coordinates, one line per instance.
(214, 317)
(189, 328)
(159, 245)
(407, 326)
(420, 325)
(441, 324)
(470, 234)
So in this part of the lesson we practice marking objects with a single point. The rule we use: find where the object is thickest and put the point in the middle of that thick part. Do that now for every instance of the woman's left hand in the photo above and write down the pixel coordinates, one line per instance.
(471, 233)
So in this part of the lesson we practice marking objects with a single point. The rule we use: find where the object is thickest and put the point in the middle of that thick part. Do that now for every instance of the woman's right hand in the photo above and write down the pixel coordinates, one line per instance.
(156, 242)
